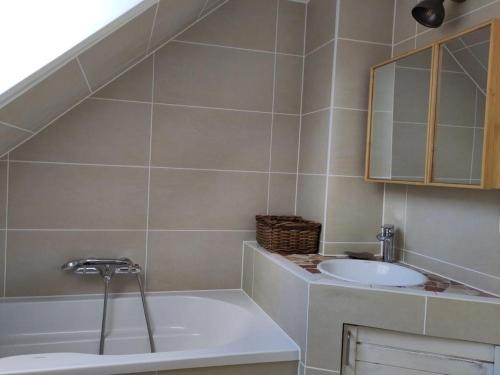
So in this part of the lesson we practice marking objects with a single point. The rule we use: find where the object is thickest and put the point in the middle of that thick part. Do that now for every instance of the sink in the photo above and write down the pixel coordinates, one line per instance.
(371, 272)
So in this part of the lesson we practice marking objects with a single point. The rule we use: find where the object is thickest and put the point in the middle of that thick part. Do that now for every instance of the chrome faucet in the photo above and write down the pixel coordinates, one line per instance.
(107, 268)
(386, 236)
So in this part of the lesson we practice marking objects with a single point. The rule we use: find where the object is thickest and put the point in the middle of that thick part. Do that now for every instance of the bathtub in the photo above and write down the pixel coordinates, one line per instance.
(60, 335)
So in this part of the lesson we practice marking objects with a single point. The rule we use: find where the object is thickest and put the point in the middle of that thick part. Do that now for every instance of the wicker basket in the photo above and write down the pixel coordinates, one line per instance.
(288, 234)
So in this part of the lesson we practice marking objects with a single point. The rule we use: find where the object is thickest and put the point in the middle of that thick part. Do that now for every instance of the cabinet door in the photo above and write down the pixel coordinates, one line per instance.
(391, 353)
(460, 110)
(399, 116)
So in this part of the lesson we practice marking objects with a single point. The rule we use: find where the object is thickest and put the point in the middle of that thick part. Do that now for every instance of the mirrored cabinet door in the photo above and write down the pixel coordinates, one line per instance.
(460, 108)
(399, 118)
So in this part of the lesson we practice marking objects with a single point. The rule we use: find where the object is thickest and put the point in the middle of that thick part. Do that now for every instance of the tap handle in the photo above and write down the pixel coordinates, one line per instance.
(387, 229)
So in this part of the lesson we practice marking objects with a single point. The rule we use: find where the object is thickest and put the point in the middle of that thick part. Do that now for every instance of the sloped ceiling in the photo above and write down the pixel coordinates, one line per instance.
(83, 74)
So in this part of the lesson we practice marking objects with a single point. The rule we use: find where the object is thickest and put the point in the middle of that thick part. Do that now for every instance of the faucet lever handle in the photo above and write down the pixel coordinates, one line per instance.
(387, 230)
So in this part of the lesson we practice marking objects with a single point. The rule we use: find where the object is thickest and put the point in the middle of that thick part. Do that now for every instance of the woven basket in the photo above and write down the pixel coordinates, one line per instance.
(288, 234)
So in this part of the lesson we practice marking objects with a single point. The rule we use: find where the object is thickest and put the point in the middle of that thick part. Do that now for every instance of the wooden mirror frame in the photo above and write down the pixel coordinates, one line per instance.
(490, 175)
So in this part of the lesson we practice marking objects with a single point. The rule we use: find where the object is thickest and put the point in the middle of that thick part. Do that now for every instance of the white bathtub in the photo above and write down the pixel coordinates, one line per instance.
(60, 335)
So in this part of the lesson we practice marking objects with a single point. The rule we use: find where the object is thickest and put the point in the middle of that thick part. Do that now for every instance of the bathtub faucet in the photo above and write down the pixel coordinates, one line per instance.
(107, 268)
(104, 267)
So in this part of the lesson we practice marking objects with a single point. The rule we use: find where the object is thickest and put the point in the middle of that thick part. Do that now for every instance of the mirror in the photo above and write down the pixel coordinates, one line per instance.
(460, 111)
(399, 118)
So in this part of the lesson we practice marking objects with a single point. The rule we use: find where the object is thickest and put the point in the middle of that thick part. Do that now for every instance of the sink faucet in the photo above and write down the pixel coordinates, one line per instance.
(386, 236)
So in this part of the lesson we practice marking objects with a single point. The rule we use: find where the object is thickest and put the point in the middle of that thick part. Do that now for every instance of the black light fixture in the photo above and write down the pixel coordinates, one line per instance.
(430, 13)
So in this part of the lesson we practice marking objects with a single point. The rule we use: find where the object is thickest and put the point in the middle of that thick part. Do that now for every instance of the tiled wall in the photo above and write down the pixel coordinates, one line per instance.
(168, 164)
(343, 39)
(453, 232)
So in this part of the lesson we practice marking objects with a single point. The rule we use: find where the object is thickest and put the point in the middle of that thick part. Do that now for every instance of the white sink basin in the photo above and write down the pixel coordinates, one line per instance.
(371, 272)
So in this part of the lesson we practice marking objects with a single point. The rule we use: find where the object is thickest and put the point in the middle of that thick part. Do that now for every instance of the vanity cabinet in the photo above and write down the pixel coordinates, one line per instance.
(434, 114)
(370, 351)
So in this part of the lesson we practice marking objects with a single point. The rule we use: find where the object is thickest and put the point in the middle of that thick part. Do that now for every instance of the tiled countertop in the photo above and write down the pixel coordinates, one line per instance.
(435, 283)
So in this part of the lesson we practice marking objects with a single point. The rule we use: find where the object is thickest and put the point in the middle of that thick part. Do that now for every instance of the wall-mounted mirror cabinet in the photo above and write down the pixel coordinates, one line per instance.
(434, 116)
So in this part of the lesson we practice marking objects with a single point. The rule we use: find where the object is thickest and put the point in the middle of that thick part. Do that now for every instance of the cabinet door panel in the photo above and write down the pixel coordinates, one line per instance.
(460, 109)
(399, 118)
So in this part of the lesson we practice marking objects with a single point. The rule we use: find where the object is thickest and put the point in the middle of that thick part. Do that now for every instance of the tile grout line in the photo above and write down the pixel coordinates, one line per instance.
(307, 322)
(203, 9)
(425, 316)
(242, 263)
(233, 47)
(148, 54)
(6, 227)
(330, 122)
(394, 25)
(473, 138)
(301, 108)
(273, 106)
(16, 127)
(149, 174)
(195, 106)
(153, 27)
(84, 74)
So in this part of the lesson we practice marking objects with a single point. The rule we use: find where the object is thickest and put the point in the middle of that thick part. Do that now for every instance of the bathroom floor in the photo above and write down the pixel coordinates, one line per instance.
(435, 283)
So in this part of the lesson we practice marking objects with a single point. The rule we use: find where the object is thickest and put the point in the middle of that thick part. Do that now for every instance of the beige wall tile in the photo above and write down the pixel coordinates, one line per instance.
(317, 79)
(247, 277)
(48, 99)
(210, 5)
(314, 142)
(403, 47)
(195, 260)
(280, 368)
(214, 76)
(457, 99)
(135, 84)
(463, 320)
(354, 210)
(478, 154)
(34, 260)
(81, 197)
(373, 20)
(464, 216)
(285, 143)
(288, 84)
(409, 144)
(321, 16)
(239, 23)
(11, 137)
(2, 260)
(172, 17)
(282, 194)
(453, 153)
(331, 248)
(411, 94)
(97, 131)
(209, 138)
(283, 296)
(291, 27)
(311, 197)
(184, 199)
(310, 371)
(354, 60)
(112, 55)
(348, 142)
(355, 306)
(405, 25)
(3, 194)
(394, 210)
